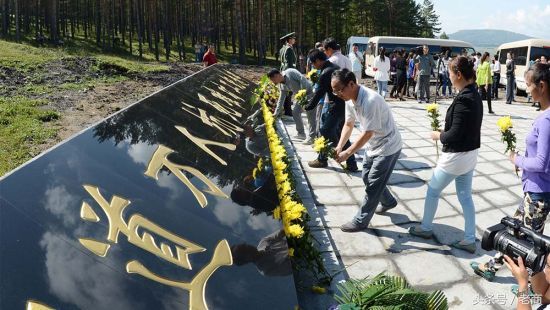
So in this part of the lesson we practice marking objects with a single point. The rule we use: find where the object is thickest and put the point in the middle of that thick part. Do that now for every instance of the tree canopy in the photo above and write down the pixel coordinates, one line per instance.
(239, 26)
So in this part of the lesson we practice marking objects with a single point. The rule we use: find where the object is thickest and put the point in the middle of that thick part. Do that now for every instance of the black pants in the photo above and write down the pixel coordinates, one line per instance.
(410, 82)
(288, 104)
(496, 82)
(401, 81)
(486, 94)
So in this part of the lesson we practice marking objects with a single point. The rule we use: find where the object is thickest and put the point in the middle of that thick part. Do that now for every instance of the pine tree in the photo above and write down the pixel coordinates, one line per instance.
(429, 20)
(444, 36)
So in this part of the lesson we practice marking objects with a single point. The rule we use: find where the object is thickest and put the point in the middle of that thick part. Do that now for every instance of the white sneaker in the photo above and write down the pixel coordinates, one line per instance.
(300, 136)
(308, 141)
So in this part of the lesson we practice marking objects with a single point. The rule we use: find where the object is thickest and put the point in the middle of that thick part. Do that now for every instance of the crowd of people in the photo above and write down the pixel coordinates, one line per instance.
(338, 99)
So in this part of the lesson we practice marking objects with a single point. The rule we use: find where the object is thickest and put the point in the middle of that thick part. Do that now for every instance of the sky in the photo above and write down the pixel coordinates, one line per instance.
(531, 17)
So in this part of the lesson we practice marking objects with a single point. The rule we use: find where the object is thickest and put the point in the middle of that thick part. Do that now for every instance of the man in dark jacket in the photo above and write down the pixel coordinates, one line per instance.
(334, 117)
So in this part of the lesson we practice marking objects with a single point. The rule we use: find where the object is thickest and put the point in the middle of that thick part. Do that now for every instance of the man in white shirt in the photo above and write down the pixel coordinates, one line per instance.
(381, 139)
(356, 59)
(496, 77)
(332, 49)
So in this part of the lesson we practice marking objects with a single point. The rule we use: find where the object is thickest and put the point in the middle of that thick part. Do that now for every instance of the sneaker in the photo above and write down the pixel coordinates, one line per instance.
(300, 136)
(469, 247)
(485, 274)
(382, 209)
(317, 164)
(418, 232)
(353, 226)
(308, 141)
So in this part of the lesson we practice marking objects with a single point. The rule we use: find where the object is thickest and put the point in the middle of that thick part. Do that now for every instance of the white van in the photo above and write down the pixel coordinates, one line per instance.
(525, 52)
(436, 46)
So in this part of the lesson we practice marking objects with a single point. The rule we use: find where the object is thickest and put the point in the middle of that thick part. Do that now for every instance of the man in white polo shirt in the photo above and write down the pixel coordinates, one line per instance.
(381, 139)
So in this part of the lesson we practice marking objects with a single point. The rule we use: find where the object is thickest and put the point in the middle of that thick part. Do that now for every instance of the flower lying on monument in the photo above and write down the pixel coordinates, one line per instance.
(290, 211)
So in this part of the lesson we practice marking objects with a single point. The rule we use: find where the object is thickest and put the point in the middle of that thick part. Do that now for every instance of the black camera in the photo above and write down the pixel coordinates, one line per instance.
(512, 238)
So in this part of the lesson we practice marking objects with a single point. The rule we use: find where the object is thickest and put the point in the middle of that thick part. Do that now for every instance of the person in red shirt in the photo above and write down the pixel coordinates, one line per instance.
(210, 57)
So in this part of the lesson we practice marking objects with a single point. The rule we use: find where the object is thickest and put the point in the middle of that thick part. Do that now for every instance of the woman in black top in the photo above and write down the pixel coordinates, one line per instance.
(461, 141)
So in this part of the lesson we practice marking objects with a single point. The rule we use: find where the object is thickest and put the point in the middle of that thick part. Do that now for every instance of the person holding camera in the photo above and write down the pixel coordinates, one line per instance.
(540, 282)
(535, 164)
(461, 141)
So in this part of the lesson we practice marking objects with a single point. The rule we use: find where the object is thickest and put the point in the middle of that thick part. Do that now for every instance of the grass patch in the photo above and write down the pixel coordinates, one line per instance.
(24, 57)
(23, 124)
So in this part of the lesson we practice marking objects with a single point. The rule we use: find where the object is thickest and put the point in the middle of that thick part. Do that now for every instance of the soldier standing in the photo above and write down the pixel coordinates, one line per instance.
(287, 56)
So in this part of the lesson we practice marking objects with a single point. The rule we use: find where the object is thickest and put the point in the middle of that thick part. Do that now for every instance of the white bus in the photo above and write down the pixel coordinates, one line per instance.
(436, 46)
(525, 52)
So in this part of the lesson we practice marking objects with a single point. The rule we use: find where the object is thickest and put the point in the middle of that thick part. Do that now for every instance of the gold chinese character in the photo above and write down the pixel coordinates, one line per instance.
(160, 159)
(146, 240)
(35, 305)
(225, 127)
(202, 143)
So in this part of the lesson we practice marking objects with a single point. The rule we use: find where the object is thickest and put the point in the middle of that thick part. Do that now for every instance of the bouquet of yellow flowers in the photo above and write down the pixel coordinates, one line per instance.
(433, 114)
(324, 147)
(301, 97)
(508, 137)
(313, 75)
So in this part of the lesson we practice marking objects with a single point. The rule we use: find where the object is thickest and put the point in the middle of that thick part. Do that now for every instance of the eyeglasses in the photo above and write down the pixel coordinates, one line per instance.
(338, 92)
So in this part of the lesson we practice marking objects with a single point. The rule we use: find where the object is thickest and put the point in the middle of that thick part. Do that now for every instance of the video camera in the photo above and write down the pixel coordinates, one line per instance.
(512, 238)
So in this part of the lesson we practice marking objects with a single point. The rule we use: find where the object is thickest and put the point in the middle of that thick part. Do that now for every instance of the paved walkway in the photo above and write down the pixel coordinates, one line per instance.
(427, 265)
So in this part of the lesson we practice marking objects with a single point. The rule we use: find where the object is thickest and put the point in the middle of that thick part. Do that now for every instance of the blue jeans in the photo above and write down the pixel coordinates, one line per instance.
(376, 173)
(331, 128)
(382, 87)
(440, 179)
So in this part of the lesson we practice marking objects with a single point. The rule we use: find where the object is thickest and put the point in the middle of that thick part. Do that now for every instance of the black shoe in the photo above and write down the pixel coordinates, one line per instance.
(352, 168)
(382, 209)
(317, 164)
(353, 227)
(491, 112)
(508, 103)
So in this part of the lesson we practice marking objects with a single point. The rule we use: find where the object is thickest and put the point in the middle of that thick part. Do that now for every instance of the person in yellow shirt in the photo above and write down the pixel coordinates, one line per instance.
(484, 79)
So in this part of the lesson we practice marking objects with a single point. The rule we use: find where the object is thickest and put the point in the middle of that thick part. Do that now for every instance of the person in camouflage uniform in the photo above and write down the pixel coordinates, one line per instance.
(287, 56)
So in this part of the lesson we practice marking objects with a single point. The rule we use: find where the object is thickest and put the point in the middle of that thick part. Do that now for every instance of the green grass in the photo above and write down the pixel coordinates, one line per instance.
(23, 125)
(24, 57)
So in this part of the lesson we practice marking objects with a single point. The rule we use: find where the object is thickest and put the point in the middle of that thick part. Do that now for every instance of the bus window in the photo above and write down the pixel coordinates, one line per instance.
(536, 52)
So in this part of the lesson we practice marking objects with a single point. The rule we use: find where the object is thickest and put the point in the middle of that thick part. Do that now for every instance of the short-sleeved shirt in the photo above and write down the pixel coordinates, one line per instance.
(374, 114)
(425, 64)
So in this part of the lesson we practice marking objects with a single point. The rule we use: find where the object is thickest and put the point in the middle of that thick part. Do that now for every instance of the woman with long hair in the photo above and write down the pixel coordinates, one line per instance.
(535, 164)
(381, 72)
(461, 141)
(484, 79)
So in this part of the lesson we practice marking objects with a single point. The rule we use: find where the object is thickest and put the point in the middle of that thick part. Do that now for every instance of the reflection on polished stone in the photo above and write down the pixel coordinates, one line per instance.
(160, 206)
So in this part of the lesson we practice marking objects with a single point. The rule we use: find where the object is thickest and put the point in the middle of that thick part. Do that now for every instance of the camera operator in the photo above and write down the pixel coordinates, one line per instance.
(540, 282)
(535, 164)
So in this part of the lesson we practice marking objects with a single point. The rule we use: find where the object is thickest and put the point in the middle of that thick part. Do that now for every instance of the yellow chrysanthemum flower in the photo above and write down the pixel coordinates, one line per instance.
(432, 107)
(504, 123)
(277, 213)
(296, 231)
(300, 94)
(311, 72)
